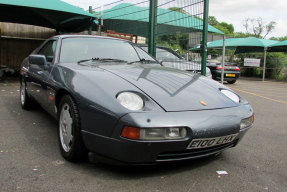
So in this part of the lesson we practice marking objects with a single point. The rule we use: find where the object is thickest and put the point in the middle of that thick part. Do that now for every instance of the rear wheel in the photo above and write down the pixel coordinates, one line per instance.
(231, 82)
(25, 100)
(70, 138)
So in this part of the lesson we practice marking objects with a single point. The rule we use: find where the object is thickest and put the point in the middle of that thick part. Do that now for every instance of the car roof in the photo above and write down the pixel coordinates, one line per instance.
(89, 36)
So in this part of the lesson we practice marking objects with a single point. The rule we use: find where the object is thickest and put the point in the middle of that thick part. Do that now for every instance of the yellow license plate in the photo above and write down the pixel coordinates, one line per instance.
(230, 75)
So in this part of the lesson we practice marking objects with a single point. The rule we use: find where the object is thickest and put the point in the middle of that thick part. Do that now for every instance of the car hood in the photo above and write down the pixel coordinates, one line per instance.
(172, 89)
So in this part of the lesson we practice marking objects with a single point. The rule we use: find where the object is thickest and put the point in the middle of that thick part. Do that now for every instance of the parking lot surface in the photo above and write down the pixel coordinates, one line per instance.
(30, 159)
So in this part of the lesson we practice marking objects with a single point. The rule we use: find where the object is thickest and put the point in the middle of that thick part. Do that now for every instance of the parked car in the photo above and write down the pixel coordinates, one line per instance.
(116, 102)
(172, 59)
(231, 71)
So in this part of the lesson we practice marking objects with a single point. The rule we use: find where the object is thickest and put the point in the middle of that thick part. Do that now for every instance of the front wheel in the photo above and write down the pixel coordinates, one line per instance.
(25, 100)
(231, 82)
(70, 139)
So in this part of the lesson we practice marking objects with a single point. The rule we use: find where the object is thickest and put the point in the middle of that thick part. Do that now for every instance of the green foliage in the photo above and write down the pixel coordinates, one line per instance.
(279, 38)
(178, 9)
(212, 21)
(243, 35)
(275, 64)
(226, 28)
(176, 41)
(257, 72)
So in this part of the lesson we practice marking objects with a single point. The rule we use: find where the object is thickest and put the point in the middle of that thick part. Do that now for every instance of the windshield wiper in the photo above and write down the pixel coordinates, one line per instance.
(85, 60)
(112, 60)
(143, 61)
(102, 59)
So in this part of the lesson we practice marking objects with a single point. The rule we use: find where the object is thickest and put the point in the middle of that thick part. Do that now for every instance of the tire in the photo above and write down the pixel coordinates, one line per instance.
(231, 82)
(25, 101)
(69, 131)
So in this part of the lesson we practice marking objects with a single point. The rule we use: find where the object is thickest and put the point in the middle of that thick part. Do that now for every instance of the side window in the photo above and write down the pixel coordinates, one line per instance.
(49, 50)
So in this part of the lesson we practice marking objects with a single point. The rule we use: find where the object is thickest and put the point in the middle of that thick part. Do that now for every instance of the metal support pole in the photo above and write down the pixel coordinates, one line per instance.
(90, 28)
(152, 27)
(0, 49)
(222, 62)
(264, 63)
(100, 27)
(204, 38)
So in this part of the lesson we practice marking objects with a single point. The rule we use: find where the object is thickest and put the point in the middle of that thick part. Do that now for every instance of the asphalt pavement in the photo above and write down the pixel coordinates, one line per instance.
(30, 159)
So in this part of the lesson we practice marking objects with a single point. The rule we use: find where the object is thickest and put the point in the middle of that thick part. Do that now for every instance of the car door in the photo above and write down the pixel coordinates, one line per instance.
(38, 75)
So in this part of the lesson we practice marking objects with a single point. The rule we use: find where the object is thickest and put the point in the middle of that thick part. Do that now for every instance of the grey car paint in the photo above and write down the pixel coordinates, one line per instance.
(172, 99)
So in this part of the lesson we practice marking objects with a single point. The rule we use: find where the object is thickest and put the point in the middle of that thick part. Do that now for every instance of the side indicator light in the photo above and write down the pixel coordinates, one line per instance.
(131, 133)
(51, 98)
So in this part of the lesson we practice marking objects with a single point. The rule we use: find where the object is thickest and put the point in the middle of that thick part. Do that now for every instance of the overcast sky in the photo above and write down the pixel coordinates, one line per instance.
(230, 11)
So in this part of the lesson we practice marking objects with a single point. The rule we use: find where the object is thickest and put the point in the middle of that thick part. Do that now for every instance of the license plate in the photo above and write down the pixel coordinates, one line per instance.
(230, 75)
(210, 142)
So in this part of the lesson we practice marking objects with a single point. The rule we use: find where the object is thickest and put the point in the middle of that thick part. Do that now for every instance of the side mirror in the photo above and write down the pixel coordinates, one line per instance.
(38, 60)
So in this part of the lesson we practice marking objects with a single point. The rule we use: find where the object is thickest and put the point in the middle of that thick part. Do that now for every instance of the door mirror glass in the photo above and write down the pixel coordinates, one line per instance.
(38, 60)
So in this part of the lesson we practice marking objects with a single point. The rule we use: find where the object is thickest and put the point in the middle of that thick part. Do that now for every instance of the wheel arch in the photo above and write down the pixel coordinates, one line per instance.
(59, 94)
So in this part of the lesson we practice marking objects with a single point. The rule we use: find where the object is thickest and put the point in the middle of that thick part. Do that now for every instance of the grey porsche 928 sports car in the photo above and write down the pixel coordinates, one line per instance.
(117, 103)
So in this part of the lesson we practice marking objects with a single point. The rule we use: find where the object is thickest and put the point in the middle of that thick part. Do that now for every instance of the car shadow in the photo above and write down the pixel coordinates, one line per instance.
(40, 130)
(143, 171)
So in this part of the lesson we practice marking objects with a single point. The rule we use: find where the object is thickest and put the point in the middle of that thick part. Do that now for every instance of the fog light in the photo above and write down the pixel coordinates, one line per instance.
(246, 122)
(175, 133)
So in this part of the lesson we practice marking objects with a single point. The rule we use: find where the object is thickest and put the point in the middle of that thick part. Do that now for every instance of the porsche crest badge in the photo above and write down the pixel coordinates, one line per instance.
(203, 103)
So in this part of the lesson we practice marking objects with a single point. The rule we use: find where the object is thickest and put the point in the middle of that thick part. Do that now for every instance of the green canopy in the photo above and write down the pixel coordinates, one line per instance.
(50, 13)
(279, 47)
(128, 18)
(242, 45)
(242, 42)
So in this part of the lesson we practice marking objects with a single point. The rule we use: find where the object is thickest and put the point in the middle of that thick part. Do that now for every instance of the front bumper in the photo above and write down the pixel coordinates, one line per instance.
(199, 124)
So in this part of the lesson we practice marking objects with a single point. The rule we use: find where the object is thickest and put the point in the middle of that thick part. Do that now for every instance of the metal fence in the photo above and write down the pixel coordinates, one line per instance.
(176, 20)
(172, 25)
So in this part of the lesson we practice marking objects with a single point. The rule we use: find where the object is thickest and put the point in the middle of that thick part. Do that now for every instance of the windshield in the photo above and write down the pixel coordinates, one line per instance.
(83, 48)
(165, 54)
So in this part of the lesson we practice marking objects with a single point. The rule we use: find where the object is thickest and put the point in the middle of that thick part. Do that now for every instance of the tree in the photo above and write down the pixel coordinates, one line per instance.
(226, 28)
(256, 27)
(212, 21)
(175, 41)
(269, 28)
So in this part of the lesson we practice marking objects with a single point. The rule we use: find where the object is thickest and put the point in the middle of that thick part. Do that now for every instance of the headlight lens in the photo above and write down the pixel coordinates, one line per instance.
(130, 101)
(168, 133)
(230, 95)
(246, 122)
